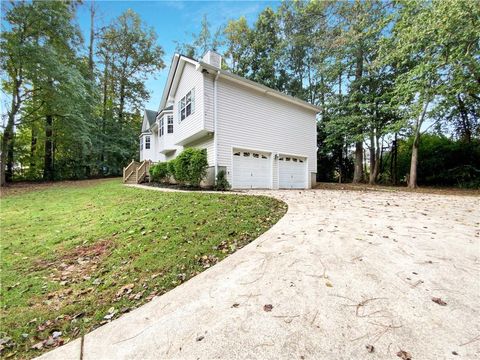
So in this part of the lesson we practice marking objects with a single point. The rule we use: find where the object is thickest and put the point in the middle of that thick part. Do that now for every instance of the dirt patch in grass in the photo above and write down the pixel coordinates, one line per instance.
(421, 190)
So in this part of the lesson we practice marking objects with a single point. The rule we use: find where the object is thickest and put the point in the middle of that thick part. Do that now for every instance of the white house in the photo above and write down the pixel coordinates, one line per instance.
(260, 137)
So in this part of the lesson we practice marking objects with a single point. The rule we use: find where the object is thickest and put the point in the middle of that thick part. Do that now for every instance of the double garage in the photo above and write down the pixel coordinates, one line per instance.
(265, 170)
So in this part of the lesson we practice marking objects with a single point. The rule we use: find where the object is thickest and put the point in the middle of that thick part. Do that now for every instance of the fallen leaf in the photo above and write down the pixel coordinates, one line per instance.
(200, 338)
(267, 307)
(404, 355)
(328, 284)
(236, 305)
(370, 348)
(38, 346)
(439, 301)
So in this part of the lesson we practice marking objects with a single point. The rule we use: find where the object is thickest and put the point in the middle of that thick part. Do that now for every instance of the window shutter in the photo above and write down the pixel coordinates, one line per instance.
(193, 100)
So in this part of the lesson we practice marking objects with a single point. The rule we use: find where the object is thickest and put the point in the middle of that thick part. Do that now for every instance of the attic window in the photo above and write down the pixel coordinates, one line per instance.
(186, 106)
(147, 142)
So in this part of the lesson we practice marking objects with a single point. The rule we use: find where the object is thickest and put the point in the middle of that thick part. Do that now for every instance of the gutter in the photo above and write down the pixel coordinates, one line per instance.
(215, 127)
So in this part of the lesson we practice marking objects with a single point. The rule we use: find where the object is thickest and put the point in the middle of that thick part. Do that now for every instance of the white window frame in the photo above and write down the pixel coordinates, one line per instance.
(169, 124)
(162, 129)
(147, 142)
(186, 105)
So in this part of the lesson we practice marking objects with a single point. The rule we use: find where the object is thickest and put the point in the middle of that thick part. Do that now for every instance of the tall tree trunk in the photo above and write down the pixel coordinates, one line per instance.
(92, 38)
(358, 171)
(48, 160)
(466, 126)
(122, 102)
(104, 108)
(33, 148)
(373, 163)
(7, 140)
(9, 171)
(412, 181)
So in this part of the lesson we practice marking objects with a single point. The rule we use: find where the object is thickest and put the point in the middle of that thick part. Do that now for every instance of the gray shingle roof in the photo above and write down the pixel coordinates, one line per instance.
(151, 116)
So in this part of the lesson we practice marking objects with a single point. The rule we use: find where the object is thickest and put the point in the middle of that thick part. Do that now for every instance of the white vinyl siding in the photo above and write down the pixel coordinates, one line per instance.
(251, 119)
(205, 144)
(189, 79)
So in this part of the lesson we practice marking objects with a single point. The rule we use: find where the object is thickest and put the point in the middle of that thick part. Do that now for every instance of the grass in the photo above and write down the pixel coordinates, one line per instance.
(77, 256)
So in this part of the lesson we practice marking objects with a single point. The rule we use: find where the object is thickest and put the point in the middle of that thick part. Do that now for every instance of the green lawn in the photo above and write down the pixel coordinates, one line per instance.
(74, 257)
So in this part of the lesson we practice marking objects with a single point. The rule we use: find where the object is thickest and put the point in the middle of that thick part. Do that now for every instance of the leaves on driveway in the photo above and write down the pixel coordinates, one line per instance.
(439, 301)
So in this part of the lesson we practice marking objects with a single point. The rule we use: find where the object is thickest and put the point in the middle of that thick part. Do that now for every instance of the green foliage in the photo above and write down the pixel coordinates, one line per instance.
(191, 166)
(159, 172)
(171, 166)
(444, 161)
(222, 183)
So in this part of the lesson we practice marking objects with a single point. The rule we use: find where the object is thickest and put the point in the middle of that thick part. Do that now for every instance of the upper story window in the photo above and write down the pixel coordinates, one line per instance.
(141, 143)
(170, 124)
(147, 142)
(161, 131)
(186, 106)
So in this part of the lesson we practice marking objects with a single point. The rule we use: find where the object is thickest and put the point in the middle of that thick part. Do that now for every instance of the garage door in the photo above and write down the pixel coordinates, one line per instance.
(251, 170)
(292, 172)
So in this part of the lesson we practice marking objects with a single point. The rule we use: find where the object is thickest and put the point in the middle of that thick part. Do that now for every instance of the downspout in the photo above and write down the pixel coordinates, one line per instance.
(215, 127)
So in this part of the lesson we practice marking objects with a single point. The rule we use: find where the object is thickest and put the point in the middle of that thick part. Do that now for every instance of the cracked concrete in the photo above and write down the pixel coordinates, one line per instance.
(342, 270)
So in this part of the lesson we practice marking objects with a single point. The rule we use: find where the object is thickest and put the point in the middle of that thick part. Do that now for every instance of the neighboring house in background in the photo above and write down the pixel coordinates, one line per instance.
(260, 137)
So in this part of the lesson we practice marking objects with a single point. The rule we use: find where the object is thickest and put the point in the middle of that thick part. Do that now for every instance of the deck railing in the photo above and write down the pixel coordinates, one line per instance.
(142, 170)
(129, 170)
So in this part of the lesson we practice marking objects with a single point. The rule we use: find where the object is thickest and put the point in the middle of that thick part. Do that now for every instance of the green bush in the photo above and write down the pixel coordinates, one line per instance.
(222, 183)
(159, 172)
(191, 166)
(171, 168)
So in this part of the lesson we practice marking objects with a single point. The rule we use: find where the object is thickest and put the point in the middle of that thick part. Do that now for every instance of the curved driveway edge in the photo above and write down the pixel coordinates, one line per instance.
(342, 270)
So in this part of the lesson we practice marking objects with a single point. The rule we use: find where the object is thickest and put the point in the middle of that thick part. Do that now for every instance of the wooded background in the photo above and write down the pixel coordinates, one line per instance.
(398, 83)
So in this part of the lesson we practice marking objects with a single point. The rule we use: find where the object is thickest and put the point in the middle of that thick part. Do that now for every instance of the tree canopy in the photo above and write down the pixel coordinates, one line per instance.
(384, 73)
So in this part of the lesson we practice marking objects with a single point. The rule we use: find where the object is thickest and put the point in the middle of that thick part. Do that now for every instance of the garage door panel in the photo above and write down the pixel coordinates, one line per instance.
(292, 172)
(251, 170)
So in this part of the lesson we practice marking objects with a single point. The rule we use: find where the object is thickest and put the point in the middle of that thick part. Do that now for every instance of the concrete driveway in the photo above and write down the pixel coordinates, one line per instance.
(340, 272)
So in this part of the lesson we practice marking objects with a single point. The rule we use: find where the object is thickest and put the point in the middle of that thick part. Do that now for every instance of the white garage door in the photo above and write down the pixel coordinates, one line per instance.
(292, 172)
(251, 170)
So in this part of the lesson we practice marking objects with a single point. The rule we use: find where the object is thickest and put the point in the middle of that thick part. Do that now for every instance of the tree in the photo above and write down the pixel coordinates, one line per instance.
(435, 43)
(128, 52)
(238, 37)
(202, 42)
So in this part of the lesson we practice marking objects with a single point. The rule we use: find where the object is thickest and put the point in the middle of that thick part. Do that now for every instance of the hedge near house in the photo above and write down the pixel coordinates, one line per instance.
(160, 172)
(190, 167)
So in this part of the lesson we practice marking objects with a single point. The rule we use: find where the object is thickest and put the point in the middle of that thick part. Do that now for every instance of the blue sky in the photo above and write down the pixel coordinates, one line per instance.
(173, 21)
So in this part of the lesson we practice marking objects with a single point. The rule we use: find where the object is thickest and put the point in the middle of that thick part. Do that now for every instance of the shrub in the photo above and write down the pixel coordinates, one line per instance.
(171, 168)
(159, 172)
(222, 183)
(191, 166)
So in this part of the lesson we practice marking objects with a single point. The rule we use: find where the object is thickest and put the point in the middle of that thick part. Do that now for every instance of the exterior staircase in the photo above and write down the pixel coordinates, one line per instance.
(136, 172)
